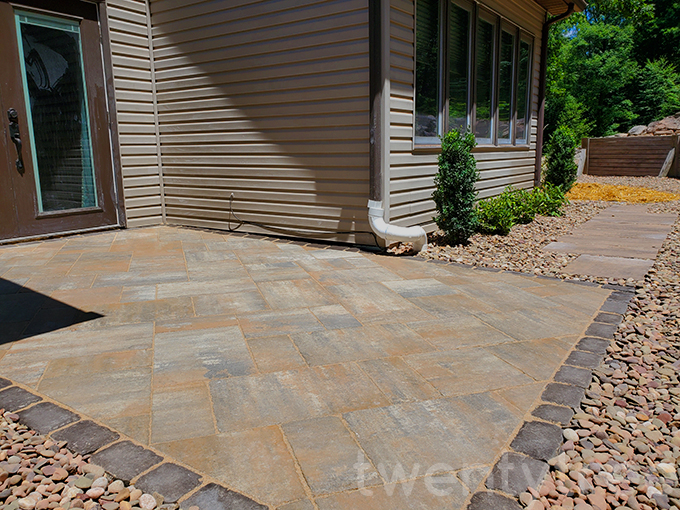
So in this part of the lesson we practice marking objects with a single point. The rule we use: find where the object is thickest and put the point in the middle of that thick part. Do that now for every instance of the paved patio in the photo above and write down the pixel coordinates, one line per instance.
(286, 371)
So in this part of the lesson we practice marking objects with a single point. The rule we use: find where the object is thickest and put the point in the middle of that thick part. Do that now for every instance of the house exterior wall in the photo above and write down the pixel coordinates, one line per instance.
(268, 102)
(133, 86)
(412, 172)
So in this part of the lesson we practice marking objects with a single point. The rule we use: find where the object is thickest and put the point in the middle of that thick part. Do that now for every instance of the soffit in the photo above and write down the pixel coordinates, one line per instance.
(556, 7)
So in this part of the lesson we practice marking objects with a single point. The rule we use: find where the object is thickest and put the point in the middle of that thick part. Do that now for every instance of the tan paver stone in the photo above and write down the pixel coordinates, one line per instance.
(327, 454)
(100, 263)
(355, 275)
(209, 271)
(242, 403)
(275, 354)
(536, 358)
(270, 272)
(81, 340)
(144, 311)
(354, 344)
(137, 427)
(181, 413)
(198, 253)
(29, 372)
(313, 265)
(410, 269)
(104, 395)
(287, 294)
(278, 322)
(449, 306)
(436, 435)
(464, 371)
(302, 504)
(132, 279)
(420, 288)
(496, 294)
(255, 462)
(473, 476)
(469, 331)
(198, 288)
(398, 381)
(372, 300)
(345, 387)
(98, 363)
(194, 323)
(335, 317)
(87, 298)
(237, 302)
(196, 355)
(527, 325)
(522, 397)
(612, 267)
(416, 494)
(141, 293)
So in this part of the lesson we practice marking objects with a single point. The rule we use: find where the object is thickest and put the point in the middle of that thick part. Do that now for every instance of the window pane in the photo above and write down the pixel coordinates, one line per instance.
(427, 66)
(505, 80)
(459, 51)
(485, 58)
(523, 91)
(55, 91)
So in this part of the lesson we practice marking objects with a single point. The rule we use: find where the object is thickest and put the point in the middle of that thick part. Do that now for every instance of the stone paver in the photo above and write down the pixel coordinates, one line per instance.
(284, 370)
(621, 242)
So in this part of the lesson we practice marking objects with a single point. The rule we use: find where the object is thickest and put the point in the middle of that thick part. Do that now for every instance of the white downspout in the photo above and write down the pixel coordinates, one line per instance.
(392, 233)
(378, 210)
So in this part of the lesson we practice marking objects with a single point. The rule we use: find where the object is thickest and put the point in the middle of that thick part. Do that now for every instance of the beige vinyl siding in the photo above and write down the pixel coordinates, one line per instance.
(268, 101)
(131, 58)
(412, 172)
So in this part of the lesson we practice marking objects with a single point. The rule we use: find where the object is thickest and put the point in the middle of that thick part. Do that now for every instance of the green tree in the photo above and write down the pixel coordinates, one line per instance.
(658, 92)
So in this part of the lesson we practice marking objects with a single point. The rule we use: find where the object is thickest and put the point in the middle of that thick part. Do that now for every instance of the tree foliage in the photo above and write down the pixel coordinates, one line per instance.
(614, 66)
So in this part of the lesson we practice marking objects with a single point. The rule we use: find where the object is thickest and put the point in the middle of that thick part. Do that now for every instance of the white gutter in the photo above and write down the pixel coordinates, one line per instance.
(379, 205)
(392, 233)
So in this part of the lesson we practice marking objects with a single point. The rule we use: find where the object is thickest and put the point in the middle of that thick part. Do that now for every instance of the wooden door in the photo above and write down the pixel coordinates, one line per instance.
(57, 170)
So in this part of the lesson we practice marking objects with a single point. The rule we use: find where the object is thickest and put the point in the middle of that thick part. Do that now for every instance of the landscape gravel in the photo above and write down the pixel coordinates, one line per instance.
(522, 249)
(37, 473)
(622, 447)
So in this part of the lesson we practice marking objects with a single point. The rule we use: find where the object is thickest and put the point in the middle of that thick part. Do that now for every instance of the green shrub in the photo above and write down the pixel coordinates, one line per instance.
(561, 169)
(522, 205)
(495, 215)
(548, 200)
(455, 193)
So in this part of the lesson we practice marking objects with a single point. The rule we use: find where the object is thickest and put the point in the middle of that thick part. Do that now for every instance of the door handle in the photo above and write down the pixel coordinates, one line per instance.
(15, 136)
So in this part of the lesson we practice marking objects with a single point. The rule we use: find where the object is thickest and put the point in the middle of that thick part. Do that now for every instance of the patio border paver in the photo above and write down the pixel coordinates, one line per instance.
(120, 456)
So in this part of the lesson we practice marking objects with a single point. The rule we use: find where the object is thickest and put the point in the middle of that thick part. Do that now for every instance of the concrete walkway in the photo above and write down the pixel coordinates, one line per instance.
(291, 373)
(620, 242)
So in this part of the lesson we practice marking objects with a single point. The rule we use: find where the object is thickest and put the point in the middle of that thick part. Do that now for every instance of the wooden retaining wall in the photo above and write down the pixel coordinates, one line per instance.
(636, 156)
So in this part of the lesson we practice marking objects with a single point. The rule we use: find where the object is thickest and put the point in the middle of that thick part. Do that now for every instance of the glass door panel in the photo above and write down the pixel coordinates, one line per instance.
(58, 121)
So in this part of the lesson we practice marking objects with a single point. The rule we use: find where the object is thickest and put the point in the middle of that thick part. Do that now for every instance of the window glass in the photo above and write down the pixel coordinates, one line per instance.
(484, 101)
(459, 54)
(427, 69)
(523, 92)
(505, 81)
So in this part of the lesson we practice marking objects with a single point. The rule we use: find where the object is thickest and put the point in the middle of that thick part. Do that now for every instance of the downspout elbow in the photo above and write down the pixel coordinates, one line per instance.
(392, 233)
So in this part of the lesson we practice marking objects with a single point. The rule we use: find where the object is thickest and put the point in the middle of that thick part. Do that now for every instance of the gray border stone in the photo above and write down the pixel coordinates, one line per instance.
(601, 330)
(126, 460)
(563, 394)
(492, 501)
(584, 359)
(553, 413)
(513, 473)
(594, 345)
(14, 398)
(46, 417)
(538, 439)
(576, 376)
(86, 437)
(170, 480)
(216, 497)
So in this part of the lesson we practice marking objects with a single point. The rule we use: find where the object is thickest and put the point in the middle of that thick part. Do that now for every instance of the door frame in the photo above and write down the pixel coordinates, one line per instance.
(76, 8)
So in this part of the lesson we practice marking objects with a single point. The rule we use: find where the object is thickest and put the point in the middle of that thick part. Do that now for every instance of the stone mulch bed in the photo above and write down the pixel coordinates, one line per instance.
(37, 473)
(521, 250)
